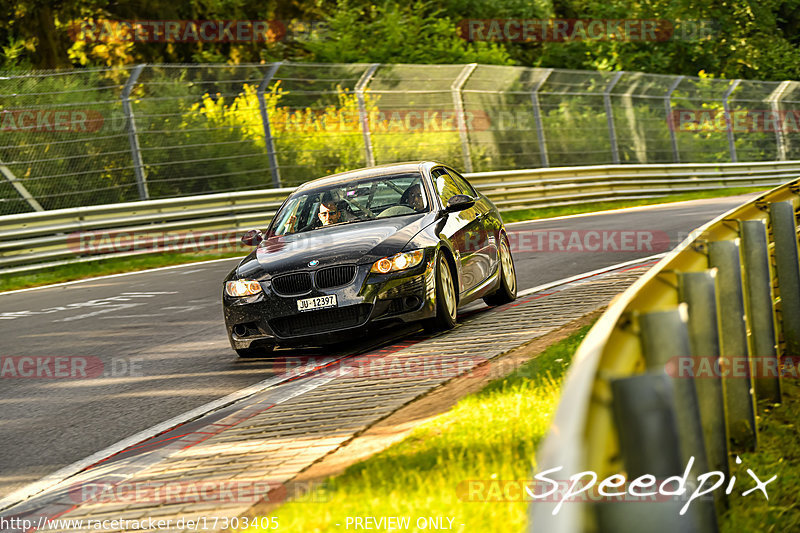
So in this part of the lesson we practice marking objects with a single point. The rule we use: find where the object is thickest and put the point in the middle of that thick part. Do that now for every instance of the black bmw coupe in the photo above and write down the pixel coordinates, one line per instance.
(404, 242)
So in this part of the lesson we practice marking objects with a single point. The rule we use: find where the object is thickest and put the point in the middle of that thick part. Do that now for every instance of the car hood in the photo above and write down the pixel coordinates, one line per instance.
(360, 242)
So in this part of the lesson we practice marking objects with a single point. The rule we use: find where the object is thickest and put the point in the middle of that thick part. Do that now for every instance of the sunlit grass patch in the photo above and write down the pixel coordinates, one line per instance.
(549, 212)
(492, 434)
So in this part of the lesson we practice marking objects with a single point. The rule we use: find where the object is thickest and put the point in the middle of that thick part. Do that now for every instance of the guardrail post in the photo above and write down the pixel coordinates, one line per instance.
(759, 309)
(676, 156)
(665, 341)
(612, 131)
(133, 137)
(363, 118)
(726, 108)
(269, 141)
(739, 397)
(784, 235)
(775, 104)
(645, 411)
(537, 119)
(699, 291)
(458, 102)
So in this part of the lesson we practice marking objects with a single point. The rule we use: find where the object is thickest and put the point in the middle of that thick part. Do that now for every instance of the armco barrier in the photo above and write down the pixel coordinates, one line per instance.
(35, 240)
(674, 370)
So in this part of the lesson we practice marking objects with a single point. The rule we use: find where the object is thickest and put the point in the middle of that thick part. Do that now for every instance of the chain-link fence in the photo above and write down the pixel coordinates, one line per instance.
(99, 136)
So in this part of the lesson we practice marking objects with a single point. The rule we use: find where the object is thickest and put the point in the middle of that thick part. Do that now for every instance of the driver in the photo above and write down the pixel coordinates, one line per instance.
(332, 211)
(329, 213)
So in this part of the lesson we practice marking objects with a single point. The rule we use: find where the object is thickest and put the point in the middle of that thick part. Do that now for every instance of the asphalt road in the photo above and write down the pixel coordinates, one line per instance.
(152, 344)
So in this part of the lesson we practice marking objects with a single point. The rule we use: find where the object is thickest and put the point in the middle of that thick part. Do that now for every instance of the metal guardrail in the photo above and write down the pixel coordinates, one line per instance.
(636, 402)
(31, 241)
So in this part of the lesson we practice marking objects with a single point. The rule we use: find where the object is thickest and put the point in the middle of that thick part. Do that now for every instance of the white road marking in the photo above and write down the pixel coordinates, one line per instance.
(102, 311)
(109, 303)
(110, 276)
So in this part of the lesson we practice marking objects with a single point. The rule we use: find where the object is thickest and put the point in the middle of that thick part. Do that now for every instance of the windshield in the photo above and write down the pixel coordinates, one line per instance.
(355, 201)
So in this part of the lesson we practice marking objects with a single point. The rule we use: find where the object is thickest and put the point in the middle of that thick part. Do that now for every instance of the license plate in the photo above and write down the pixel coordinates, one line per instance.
(320, 302)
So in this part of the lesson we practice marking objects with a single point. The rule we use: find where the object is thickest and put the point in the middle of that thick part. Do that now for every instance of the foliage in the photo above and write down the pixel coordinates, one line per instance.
(398, 33)
(741, 39)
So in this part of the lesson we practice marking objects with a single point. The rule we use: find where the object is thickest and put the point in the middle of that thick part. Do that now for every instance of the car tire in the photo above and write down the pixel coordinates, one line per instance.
(507, 291)
(261, 350)
(446, 300)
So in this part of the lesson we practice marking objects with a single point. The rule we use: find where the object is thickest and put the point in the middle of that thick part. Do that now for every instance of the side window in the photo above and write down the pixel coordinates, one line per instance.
(462, 184)
(446, 186)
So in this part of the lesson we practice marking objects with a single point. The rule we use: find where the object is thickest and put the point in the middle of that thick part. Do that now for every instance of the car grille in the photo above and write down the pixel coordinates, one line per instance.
(321, 321)
(334, 276)
(292, 284)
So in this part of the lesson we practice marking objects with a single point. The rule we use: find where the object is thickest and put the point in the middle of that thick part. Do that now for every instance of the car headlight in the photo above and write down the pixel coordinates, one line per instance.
(397, 262)
(242, 287)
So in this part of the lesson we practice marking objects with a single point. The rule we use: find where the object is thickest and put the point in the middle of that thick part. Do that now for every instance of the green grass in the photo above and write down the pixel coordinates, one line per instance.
(103, 267)
(778, 454)
(549, 212)
(492, 434)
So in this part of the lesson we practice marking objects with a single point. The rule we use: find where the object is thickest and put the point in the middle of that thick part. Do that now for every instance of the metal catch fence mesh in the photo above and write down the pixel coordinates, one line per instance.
(101, 136)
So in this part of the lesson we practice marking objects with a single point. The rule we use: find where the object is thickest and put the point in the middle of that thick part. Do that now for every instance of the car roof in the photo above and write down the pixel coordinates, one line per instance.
(381, 170)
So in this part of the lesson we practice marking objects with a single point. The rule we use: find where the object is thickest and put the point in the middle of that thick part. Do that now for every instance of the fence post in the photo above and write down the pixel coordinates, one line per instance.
(612, 131)
(775, 104)
(268, 139)
(19, 187)
(458, 102)
(760, 313)
(676, 156)
(784, 235)
(739, 398)
(537, 118)
(369, 156)
(729, 123)
(133, 137)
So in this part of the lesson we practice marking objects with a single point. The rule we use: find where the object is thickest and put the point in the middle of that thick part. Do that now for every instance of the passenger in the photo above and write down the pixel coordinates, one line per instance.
(412, 197)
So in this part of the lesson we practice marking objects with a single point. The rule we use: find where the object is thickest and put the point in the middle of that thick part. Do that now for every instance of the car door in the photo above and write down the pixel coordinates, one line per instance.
(487, 251)
(463, 229)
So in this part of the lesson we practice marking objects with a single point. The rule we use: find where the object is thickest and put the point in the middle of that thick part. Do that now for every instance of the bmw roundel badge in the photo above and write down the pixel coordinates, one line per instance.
(313, 263)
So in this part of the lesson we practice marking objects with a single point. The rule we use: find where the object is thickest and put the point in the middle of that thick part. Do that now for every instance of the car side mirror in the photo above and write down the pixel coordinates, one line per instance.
(459, 202)
(252, 237)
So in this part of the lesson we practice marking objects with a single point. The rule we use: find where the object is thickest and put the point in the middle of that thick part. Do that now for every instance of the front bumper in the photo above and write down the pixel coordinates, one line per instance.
(370, 300)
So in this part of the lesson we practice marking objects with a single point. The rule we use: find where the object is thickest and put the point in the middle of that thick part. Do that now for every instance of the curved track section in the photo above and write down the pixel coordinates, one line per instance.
(147, 347)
